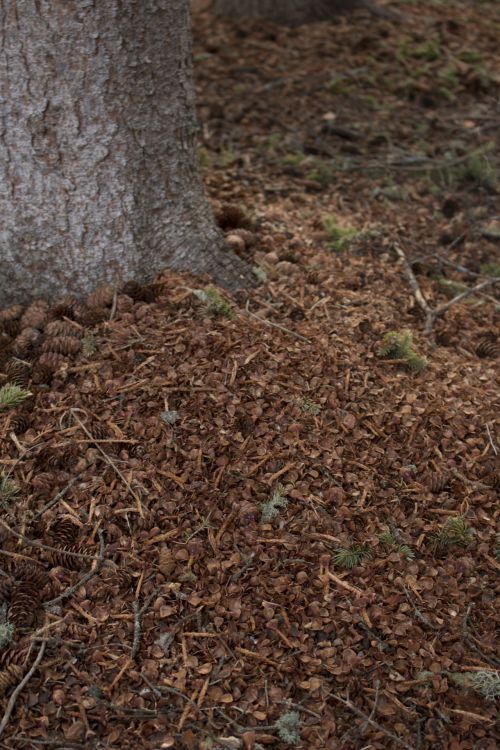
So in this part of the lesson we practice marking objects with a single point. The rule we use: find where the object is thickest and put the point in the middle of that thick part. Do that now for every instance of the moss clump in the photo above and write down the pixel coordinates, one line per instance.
(271, 507)
(338, 237)
(288, 727)
(215, 302)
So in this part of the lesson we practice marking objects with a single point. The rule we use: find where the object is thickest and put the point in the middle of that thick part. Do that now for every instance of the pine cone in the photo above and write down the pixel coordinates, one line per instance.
(64, 307)
(231, 216)
(17, 372)
(50, 361)
(62, 328)
(13, 312)
(21, 422)
(64, 532)
(25, 605)
(30, 573)
(487, 347)
(11, 327)
(60, 558)
(166, 562)
(101, 297)
(26, 341)
(36, 315)
(437, 481)
(9, 676)
(62, 345)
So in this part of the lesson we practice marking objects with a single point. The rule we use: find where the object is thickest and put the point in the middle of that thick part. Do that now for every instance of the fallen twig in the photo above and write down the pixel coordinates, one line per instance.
(24, 681)
(369, 720)
(276, 325)
(432, 314)
(110, 462)
(465, 636)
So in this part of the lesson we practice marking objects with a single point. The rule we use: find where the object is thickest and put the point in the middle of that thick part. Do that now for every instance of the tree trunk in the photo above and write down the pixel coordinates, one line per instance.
(294, 12)
(99, 174)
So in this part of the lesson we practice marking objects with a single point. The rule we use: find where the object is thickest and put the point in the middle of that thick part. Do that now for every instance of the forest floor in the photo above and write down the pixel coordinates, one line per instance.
(265, 521)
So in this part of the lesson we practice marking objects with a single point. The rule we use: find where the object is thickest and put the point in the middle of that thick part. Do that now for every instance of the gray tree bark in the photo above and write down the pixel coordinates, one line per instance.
(294, 12)
(99, 174)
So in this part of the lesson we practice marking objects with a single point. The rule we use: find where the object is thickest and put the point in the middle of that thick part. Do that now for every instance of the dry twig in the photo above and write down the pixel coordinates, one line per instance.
(24, 681)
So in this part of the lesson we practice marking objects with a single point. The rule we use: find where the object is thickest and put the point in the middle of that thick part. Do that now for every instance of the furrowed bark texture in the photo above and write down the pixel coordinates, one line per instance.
(98, 165)
(294, 12)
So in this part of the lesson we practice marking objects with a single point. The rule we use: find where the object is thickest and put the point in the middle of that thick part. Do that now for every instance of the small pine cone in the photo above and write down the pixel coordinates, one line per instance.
(43, 483)
(17, 372)
(62, 458)
(11, 327)
(64, 307)
(24, 606)
(31, 573)
(62, 345)
(133, 290)
(137, 451)
(26, 341)
(41, 375)
(61, 558)
(487, 347)
(99, 431)
(13, 312)
(50, 361)
(437, 481)
(94, 316)
(166, 562)
(249, 238)
(231, 216)
(62, 328)
(35, 316)
(21, 422)
(101, 297)
(10, 655)
(5, 589)
(9, 677)
(64, 532)
(124, 579)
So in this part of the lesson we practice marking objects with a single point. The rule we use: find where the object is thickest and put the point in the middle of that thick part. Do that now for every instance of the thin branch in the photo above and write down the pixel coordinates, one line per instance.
(24, 681)
(47, 547)
(490, 438)
(368, 720)
(110, 462)
(465, 636)
(275, 325)
(431, 315)
(56, 498)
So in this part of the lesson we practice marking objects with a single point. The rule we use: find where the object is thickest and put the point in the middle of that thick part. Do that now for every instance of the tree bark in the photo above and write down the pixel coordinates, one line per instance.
(99, 176)
(294, 12)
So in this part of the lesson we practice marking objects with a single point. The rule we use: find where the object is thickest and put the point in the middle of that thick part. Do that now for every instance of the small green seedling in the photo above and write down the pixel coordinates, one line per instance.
(400, 346)
(349, 557)
(12, 395)
(455, 531)
(338, 237)
(390, 539)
